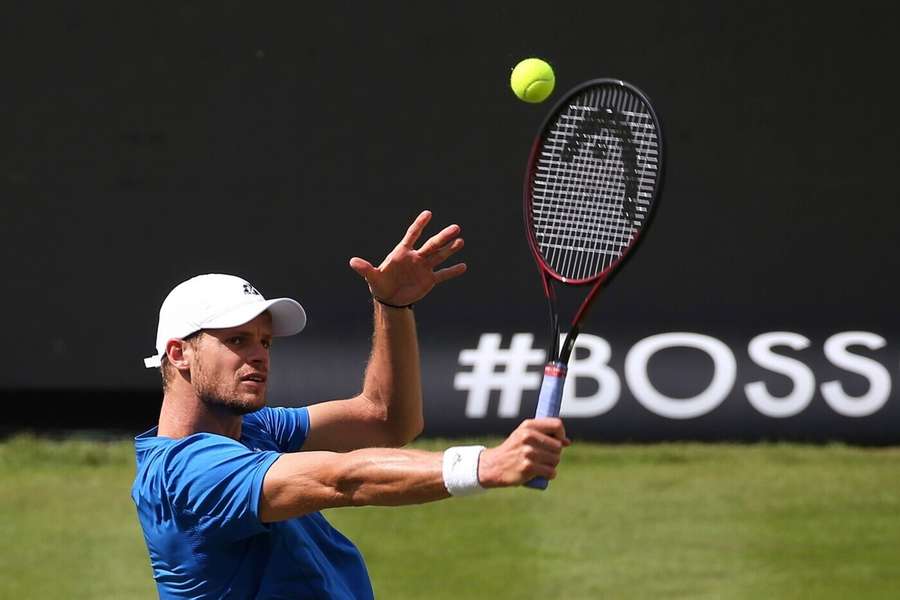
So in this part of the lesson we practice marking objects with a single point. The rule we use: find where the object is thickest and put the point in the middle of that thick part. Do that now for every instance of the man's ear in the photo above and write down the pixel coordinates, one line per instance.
(178, 352)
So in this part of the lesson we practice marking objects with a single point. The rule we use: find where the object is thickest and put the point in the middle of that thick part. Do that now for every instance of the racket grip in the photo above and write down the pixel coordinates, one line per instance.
(549, 402)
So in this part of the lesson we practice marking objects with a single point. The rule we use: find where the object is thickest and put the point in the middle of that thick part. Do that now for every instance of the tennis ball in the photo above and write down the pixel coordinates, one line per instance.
(532, 80)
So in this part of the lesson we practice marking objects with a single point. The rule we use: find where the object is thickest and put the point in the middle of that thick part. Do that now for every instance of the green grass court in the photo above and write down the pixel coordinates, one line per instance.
(659, 521)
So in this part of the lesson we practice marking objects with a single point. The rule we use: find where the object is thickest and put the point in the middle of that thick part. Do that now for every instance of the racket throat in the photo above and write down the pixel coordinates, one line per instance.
(568, 345)
(554, 316)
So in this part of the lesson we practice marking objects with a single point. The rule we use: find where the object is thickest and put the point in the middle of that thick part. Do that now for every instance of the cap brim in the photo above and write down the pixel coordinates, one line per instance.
(288, 317)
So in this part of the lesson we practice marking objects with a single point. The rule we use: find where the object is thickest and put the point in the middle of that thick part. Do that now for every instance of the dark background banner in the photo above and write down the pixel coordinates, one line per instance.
(145, 144)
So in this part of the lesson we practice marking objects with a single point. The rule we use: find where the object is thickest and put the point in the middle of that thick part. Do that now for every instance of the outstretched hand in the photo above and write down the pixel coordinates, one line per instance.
(406, 275)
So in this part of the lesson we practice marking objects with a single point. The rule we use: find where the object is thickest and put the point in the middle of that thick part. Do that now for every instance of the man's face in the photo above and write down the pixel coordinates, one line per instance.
(231, 366)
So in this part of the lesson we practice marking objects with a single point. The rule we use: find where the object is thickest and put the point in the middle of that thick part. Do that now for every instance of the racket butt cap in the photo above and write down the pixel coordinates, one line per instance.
(538, 483)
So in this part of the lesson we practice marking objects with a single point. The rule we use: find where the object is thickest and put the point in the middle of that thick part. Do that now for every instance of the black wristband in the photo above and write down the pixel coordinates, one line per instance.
(380, 301)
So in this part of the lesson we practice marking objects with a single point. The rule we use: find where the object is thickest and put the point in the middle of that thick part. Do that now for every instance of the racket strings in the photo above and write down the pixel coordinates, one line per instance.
(594, 181)
(583, 220)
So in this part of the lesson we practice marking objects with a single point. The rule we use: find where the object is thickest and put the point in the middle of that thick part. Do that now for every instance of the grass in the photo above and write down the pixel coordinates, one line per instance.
(659, 521)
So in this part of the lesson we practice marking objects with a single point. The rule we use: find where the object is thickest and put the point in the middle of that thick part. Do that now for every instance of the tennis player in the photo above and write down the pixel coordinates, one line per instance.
(228, 491)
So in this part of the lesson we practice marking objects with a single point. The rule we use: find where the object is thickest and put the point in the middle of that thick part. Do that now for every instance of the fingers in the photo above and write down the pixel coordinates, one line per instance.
(541, 470)
(543, 441)
(415, 230)
(552, 426)
(532, 434)
(440, 240)
(445, 252)
(545, 458)
(439, 246)
(449, 273)
(406, 275)
(535, 461)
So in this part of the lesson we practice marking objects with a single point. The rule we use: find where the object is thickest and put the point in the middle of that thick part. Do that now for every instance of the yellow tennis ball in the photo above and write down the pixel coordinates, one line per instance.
(532, 80)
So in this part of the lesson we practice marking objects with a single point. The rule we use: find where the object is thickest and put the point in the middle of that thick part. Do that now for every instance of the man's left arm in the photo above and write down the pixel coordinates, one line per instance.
(388, 411)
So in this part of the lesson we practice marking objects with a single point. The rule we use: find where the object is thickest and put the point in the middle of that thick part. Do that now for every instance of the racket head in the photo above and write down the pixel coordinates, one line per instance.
(593, 179)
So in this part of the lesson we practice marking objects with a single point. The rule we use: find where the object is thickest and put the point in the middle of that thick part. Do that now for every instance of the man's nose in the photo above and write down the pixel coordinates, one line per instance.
(260, 355)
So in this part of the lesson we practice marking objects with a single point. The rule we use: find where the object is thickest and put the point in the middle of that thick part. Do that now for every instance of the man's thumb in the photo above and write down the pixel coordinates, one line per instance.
(362, 267)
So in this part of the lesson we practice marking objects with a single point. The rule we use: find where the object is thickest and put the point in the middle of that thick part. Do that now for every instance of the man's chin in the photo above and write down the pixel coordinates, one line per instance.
(245, 409)
(250, 404)
(244, 404)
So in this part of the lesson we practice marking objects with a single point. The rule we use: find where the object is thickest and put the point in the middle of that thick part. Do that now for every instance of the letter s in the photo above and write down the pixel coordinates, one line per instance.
(878, 376)
(760, 351)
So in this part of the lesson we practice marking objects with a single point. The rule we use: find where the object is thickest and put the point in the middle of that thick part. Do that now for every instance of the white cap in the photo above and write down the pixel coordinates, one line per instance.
(217, 301)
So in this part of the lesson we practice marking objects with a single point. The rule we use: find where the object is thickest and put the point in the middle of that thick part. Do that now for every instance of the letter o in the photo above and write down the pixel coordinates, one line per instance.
(724, 373)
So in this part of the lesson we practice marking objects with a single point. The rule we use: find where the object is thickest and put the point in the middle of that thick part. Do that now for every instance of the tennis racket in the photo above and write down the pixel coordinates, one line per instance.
(593, 180)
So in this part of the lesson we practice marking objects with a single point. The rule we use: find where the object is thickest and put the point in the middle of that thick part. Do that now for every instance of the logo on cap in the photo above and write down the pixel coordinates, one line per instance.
(250, 290)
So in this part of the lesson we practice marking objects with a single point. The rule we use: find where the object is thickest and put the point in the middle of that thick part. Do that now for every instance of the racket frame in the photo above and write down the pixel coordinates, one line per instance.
(605, 276)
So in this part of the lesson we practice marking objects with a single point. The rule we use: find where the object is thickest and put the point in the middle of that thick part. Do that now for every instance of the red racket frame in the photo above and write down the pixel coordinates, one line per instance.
(605, 276)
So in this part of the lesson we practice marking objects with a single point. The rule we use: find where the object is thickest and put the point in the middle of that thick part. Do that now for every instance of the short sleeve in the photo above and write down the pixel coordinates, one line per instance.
(288, 427)
(218, 482)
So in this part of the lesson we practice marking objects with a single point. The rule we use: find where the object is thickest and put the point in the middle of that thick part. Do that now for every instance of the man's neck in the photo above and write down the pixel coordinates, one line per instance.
(183, 414)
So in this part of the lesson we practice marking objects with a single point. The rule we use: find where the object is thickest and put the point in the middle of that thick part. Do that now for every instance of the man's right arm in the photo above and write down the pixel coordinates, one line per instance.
(304, 482)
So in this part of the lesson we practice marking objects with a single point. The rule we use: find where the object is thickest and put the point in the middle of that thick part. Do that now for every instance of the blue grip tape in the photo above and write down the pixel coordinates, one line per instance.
(549, 402)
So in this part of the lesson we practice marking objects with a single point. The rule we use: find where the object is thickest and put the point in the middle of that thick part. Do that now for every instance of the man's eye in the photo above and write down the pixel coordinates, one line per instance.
(235, 340)
(267, 344)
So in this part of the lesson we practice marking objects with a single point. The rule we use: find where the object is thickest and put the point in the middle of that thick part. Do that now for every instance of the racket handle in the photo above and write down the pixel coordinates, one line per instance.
(549, 401)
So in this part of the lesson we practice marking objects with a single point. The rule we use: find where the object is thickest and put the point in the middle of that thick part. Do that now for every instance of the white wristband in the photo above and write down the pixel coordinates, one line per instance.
(461, 470)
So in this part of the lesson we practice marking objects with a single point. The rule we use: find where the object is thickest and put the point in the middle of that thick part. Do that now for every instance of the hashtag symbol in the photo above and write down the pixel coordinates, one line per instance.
(496, 369)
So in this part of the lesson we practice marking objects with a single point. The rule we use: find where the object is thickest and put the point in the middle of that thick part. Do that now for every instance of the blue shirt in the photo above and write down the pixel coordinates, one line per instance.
(198, 502)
